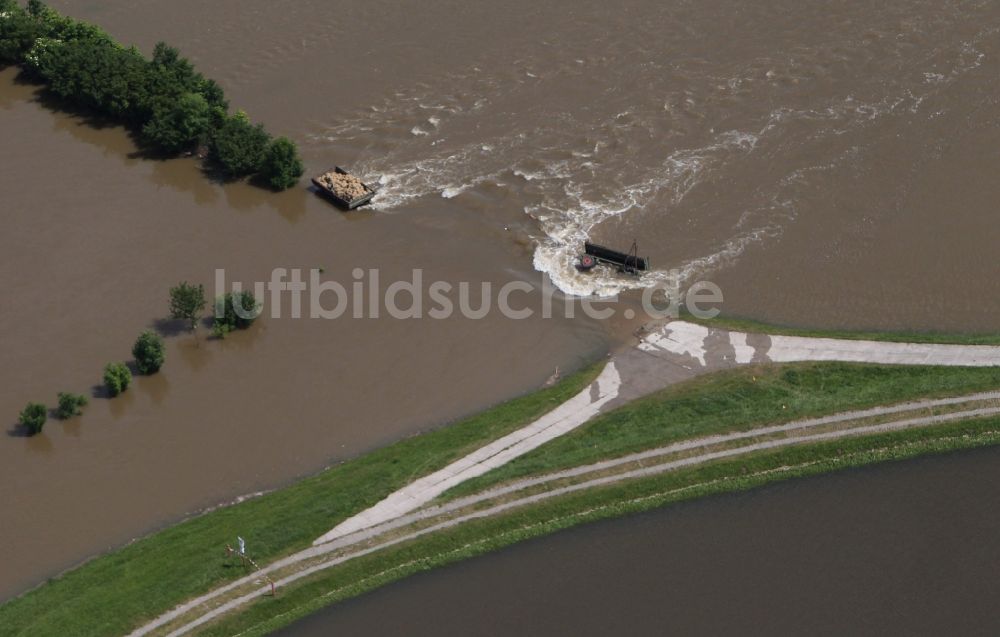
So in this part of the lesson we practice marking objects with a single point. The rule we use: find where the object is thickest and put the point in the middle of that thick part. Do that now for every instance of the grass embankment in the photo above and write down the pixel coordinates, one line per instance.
(749, 325)
(481, 536)
(735, 400)
(114, 593)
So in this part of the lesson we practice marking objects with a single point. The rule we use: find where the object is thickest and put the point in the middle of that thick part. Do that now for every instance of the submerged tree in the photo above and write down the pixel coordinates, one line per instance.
(117, 378)
(33, 417)
(178, 125)
(186, 302)
(281, 167)
(163, 99)
(148, 352)
(18, 32)
(238, 146)
(70, 405)
(235, 311)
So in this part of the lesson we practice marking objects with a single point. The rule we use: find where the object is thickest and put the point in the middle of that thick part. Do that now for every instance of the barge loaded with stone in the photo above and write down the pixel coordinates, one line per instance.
(343, 188)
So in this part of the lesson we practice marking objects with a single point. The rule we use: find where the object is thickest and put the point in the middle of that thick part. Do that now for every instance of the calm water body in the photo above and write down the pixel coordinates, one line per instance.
(910, 548)
(827, 163)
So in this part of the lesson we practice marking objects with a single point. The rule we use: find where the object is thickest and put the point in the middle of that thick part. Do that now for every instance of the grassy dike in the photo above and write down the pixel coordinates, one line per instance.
(737, 400)
(749, 325)
(482, 536)
(114, 593)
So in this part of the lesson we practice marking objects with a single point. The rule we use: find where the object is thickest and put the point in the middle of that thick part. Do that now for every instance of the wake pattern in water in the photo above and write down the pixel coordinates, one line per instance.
(730, 151)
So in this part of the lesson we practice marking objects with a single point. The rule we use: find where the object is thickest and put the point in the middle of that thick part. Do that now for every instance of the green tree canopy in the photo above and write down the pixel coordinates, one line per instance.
(178, 124)
(238, 146)
(18, 32)
(281, 167)
(70, 405)
(186, 302)
(235, 311)
(163, 99)
(109, 80)
(117, 378)
(148, 352)
(33, 417)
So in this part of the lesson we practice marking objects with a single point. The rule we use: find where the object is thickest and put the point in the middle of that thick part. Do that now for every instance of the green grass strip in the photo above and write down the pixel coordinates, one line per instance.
(750, 325)
(736, 400)
(482, 536)
(114, 593)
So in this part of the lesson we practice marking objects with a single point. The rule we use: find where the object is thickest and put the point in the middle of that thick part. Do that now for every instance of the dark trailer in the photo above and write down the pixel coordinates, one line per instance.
(629, 262)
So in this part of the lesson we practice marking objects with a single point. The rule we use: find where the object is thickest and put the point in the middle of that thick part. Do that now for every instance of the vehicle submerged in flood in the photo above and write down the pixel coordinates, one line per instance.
(343, 188)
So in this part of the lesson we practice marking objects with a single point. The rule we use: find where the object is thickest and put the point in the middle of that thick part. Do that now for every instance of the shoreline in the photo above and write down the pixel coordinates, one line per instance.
(236, 500)
(291, 502)
(315, 592)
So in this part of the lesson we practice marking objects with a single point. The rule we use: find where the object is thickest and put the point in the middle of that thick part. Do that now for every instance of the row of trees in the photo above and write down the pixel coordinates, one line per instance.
(34, 416)
(235, 310)
(148, 353)
(149, 357)
(172, 107)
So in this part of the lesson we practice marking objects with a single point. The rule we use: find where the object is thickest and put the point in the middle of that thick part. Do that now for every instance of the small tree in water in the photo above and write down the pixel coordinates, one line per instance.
(238, 146)
(70, 405)
(282, 167)
(235, 311)
(117, 378)
(33, 417)
(177, 123)
(186, 302)
(148, 352)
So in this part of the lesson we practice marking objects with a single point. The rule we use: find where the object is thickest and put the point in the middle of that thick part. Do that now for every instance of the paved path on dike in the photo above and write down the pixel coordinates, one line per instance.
(674, 352)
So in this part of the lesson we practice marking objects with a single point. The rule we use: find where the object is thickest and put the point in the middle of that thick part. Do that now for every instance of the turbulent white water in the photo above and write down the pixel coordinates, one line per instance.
(698, 158)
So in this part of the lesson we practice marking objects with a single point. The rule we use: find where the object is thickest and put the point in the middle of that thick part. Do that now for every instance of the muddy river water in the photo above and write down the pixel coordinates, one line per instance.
(829, 164)
(902, 549)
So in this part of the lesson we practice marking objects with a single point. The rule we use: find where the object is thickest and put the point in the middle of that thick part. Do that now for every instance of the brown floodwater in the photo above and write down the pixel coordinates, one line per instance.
(908, 548)
(94, 240)
(828, 164)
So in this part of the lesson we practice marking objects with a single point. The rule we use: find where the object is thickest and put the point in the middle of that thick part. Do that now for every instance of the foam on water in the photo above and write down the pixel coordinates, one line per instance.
(576, 173)
(566, 229)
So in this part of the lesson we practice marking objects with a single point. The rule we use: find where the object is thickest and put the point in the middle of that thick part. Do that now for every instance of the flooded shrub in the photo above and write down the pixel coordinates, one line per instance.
(238, 146)
(235, 311)
(282, 167)
(186, 302)
(164, 99)
(33, 417)
(148, 352)
(173, 74)
(70, 405)
(92, 74)
(18, 32)
(178, 125)
(117, 378)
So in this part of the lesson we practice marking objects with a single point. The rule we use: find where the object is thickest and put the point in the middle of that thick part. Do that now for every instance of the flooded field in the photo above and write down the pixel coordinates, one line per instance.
(828, 164)
(908, 548)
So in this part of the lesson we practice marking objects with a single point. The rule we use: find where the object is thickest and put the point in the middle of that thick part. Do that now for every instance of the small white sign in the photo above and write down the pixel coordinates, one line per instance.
(243, 545)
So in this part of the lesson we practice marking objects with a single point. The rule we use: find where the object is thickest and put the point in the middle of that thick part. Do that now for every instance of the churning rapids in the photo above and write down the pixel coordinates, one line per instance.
(733, 122)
